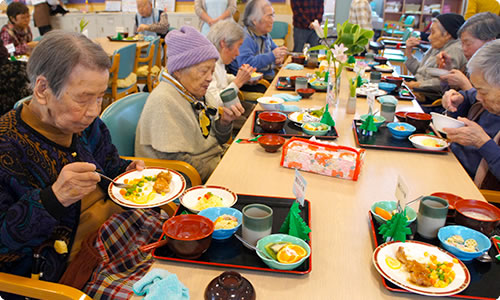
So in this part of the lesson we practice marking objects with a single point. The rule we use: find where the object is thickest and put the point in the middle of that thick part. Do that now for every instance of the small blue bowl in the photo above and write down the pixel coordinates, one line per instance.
(214, 212)
(483, 243)
(315, 132)
(401, 134)
(386, 86)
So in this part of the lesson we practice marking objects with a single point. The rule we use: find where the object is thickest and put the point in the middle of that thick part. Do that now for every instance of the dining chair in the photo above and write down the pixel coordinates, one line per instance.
(121, 118)
(146, 64)
(280, 33)
(491, 196)
(123, 77)
(397, 28)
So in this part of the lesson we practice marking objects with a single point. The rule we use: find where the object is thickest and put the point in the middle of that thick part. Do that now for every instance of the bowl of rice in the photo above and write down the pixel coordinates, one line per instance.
(201, 197)
(226, 220)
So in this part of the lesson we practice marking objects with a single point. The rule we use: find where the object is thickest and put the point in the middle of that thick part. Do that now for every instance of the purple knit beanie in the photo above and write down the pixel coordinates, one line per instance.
(187, 47)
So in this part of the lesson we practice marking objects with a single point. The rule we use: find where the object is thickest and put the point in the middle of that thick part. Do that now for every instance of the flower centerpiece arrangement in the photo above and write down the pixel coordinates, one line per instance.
(351, 40)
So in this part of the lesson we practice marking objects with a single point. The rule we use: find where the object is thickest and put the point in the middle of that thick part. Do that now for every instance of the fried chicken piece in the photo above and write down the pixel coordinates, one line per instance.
(419, 274)
(162, 183)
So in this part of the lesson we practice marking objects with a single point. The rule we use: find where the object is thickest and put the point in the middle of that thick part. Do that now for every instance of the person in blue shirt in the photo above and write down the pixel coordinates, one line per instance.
(150, 21)
(476, 145)
(258, 49)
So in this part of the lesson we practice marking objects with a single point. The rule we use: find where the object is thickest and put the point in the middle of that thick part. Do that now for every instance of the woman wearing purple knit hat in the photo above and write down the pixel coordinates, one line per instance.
(176, 122)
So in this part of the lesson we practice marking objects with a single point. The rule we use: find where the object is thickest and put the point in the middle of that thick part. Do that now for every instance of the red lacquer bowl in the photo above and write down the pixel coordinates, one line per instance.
(271, 143)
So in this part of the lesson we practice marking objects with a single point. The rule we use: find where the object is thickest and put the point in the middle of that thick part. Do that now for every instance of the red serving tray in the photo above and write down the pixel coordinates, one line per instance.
(473, 267)
(239, 256)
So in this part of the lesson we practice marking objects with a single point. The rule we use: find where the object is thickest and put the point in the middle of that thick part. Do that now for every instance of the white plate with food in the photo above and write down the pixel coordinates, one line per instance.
(200, 197)
(363, 91)
(300, 117)
(407, 266)
(151, 187)
(428, 142)
(384, 68)
(436, 72)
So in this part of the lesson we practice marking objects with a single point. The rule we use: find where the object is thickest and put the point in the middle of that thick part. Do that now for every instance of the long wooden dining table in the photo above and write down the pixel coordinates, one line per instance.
(111, 46)
(342, 243)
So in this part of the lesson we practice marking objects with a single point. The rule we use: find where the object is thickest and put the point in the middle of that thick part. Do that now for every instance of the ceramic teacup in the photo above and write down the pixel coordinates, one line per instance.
(257, 222)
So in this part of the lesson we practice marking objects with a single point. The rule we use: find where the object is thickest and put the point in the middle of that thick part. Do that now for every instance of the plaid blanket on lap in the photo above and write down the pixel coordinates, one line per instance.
(123, 263)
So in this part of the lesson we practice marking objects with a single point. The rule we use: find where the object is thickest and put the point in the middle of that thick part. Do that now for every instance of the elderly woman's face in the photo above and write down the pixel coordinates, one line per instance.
(22, 20)
(197, 78)
(470, 44)
(437, 37)
(265, 25)
(80, 101)
(487, 94)
(228, 54)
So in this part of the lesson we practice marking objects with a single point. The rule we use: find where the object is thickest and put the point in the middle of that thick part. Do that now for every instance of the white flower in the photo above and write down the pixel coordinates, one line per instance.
(338, 53)
(318, 29)
(359, 67)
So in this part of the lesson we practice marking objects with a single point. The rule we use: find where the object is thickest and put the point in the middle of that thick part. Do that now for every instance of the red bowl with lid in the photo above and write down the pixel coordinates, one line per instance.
(401, 116)
(271, 143)
(451, 198)
(188, 236)
(421, 121)
(478, 215)
(396, 80)
(271, 121)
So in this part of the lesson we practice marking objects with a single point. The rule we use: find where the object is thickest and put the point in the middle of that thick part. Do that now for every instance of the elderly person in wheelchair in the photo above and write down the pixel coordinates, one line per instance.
(476, 144)
(53, 202)
(177, 122)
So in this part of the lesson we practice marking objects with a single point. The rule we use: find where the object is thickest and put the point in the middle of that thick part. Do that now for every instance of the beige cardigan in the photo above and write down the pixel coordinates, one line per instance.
(168, 129)
(200, 6)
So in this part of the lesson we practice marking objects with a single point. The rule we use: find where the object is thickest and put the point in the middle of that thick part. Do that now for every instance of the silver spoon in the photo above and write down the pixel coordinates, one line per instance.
(117, 184)
(253, 247)
(485, 257)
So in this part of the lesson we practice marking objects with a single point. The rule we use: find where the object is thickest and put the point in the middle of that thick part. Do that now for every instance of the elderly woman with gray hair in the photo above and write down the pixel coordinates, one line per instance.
(476, 144)
(258, 48)
(177, 122)
(52, 199)
(443, 37)
(474, 33)
(227, 37)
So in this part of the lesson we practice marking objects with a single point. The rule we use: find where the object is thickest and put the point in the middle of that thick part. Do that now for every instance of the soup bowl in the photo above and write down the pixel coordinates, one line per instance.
(272, 121)
(478, 215)
(421, 121)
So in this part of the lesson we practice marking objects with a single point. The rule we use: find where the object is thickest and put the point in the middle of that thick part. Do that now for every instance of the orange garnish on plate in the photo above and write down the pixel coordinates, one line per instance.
(383, 213)
(290, 254)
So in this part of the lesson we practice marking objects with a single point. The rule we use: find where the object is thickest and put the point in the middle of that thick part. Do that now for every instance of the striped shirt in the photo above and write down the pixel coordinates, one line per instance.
(361, 14)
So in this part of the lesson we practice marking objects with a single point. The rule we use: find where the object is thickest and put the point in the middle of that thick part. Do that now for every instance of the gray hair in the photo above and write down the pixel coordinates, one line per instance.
(58, 53)
(228, 31)
(483, 26)
(486, 61)
(254, 11)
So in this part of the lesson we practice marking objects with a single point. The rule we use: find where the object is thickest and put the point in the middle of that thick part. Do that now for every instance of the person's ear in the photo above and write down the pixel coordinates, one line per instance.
(41, 91)
(223, 44)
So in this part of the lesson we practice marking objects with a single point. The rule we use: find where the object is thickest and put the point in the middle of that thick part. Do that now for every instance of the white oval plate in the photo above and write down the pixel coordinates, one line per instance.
(294, 117)
(415, 250)
(190, 197)
(177, 186)
(364, 92)
(416, 140)
(383, 69)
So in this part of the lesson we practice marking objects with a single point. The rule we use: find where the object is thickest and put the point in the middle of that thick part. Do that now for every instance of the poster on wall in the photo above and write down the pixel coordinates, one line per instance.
(165, 5)
(129, 6)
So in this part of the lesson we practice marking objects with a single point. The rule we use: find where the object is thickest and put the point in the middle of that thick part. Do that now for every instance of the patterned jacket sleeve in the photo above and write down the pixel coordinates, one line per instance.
(162, 26)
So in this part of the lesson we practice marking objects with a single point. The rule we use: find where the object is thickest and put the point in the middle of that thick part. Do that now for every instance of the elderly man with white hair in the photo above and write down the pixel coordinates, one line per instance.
(476, 144)
(150, 21)
(258, 48)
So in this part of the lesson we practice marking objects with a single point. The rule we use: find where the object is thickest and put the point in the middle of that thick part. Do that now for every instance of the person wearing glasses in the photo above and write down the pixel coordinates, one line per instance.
(258, 49)
(176, 122)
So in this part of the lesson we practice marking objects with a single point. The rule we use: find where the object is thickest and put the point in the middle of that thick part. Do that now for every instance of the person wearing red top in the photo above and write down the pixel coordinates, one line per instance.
(17, 30)
(304, 14)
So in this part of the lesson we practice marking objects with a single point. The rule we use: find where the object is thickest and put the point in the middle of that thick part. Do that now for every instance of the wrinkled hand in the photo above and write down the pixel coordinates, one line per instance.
(410, 44)
(413, 84)
(244, 75)
(451, 100)
(280, 53)
(142, 27)
(211, 21)
(470, 135)
(75, 181)
(443, 60)
(231, 113)
(138, 165)
(457, 79)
